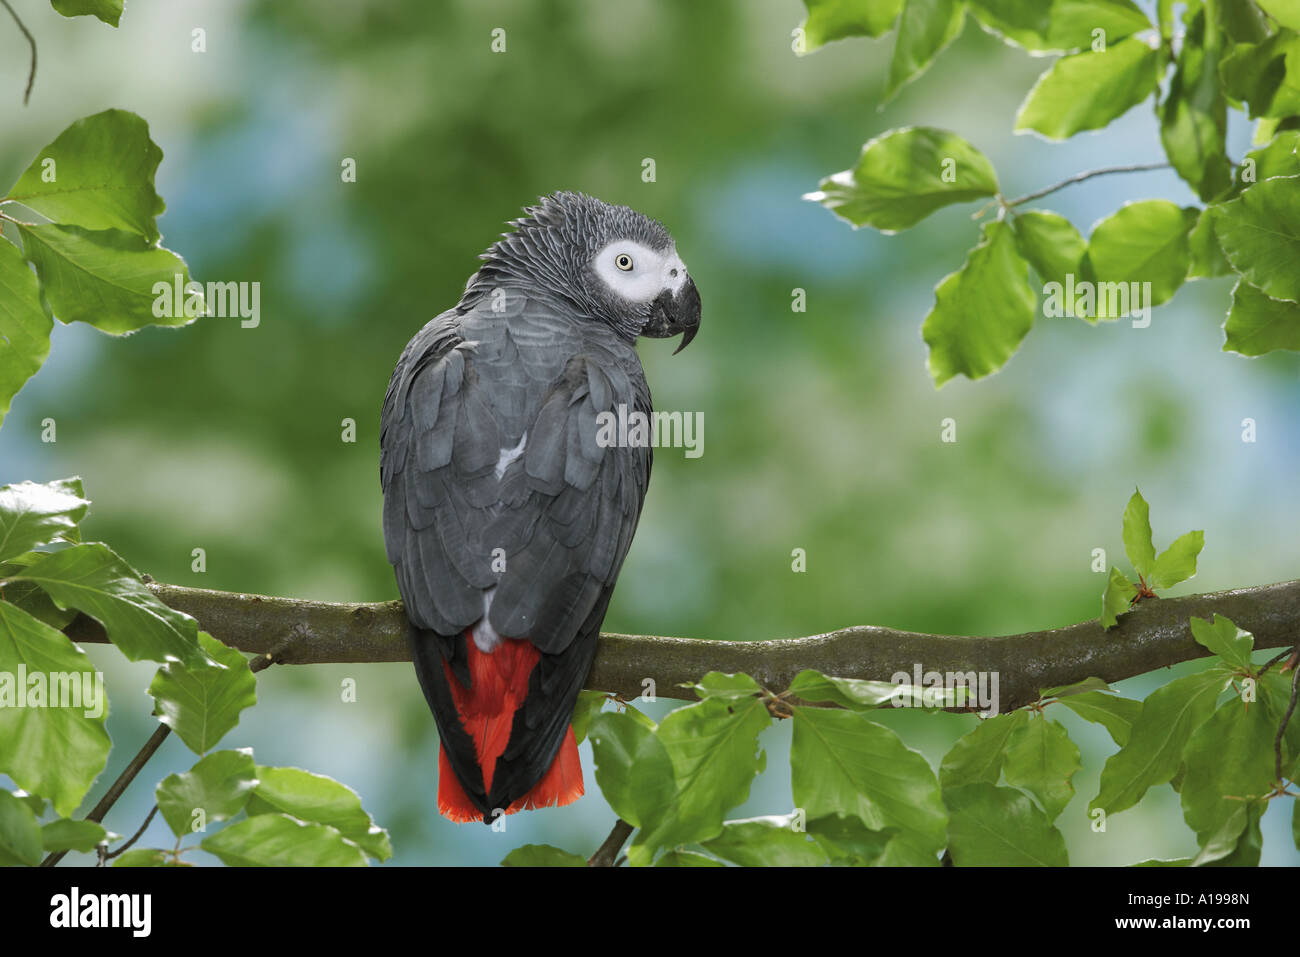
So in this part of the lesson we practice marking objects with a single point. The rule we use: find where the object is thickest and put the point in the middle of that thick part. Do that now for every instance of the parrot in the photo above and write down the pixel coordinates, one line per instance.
(505, 518)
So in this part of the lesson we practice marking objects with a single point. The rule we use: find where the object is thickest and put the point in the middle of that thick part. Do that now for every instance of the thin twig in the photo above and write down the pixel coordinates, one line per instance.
(607, 854)
(1272, 661)
(121, 784)
(31, 41)
(1080, 177)
(134, 837)
(1281, 729)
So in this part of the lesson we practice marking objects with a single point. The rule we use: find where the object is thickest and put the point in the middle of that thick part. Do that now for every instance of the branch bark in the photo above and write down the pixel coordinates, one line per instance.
(607, 854)
(1154, 634)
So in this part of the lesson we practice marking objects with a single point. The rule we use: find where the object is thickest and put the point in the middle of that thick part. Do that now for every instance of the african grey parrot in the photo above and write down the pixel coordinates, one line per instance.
(505, 520)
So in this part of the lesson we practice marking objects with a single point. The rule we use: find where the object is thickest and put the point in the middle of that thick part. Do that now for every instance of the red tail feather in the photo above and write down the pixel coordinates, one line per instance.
(487, 710)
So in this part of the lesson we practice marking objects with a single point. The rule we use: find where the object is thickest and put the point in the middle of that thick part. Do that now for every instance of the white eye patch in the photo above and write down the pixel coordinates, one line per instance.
(638, 273)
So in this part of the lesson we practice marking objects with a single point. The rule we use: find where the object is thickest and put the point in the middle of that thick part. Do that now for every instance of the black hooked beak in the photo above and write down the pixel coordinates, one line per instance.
(671, 314)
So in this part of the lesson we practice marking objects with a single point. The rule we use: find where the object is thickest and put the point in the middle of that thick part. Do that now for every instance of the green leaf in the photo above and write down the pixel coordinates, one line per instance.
(1143, 242)
(856, 694)
(1207, 260)
(1058, 25)
(201, 704)
(1194, 115)
(1000, 827)
(1265, 74)
(1050, 243)
(53, 752)
(633, 768)
(837, 19)
(1137, 534)
(1276, 158)
(1264, 130)
(147, 857)
(277, 840)
(31, 599)
(640, 717)
(1086, 91)
(766, 842)
(847, 842)
(978, 755)
(686, 859)
(318, 799)
(1165, 19)
(1112, 712)
(1169, 716)
(542, 855)
(1177, 563)
(714, 750)
(1041, 758)
(1224, 639)
(1241, 22)
(1229, 759)
(110, 11)
(1285, 12)
(1260, 234)
(219, 785)
(20, 835)
(1250, 844)
(68, 835)
(903, 176)
(843, 764)
(98, 174)
(981, 312)
(1295, 823)
(925, 28)
(1258, 324)
(32, 514)
(589, 704)
(859, 694)
(716, 684)
(33, 801)
(108, 279)
(96, 581)
(1237, 843)
(1117, 598)
(24, 326)
(1077, 688)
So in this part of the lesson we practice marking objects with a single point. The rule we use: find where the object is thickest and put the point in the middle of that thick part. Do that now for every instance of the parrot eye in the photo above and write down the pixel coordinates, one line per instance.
(623, 261)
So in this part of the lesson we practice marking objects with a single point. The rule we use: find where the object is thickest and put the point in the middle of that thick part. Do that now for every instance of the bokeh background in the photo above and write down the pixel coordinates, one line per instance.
(821, 428)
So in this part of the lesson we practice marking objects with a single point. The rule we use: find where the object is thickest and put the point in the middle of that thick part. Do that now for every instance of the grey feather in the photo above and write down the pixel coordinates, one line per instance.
(531, 353)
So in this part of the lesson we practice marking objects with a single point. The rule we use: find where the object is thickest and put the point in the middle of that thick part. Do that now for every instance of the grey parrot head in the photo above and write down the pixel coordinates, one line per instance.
(611, 263)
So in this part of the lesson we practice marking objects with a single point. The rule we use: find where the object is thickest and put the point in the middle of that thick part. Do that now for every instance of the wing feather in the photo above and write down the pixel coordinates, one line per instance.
(468, 387)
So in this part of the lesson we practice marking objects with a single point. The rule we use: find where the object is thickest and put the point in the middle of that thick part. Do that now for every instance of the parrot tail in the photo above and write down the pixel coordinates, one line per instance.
(498, 686)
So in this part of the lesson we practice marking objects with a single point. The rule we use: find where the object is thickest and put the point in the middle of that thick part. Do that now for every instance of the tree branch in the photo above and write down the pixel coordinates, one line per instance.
(1154, 634)
(607, 854)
